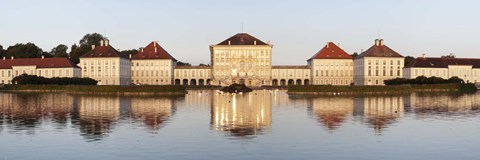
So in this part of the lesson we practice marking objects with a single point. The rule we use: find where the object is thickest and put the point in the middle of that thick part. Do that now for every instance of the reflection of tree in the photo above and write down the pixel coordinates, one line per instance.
(331, 112)
(152, 111)
(242, 115)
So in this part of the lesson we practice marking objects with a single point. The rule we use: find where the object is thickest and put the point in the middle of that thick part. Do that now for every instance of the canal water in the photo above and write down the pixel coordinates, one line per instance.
(264, 124)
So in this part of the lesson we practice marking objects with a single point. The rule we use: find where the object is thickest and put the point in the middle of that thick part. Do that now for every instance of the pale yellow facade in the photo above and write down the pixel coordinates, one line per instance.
(6, 75)
(290, 75)
(192, 75)
(374, 70)
(152, 71)
(107, 70)
(249, 64)
(465, 72)
(331, 71)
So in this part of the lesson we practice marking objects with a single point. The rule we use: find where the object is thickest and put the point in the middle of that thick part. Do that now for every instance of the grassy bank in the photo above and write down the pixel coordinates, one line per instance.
(165, 90)
(327, 89)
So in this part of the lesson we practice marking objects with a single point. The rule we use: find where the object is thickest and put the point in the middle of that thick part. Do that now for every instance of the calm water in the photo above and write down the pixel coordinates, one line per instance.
(259, 125)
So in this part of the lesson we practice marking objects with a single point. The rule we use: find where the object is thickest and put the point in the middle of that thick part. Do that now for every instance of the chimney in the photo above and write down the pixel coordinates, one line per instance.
(3, 58)
(254, 42)
(141, 49)
(155, 49)
(361, 51)
(381, 42)
(328, 44)
(154, 44)
(377, 42)
(43, 57)
(130, 55)
(229, 42)
(106, 42)
(93, 47)
(101, 42)
(424, 55)
(11, 57)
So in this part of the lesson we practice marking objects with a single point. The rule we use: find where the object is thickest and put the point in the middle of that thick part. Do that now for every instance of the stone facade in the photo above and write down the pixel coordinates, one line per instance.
(241, 58)
(106, 65)
(153, 66)
(377, 64)
(464, 68)
(45, 67)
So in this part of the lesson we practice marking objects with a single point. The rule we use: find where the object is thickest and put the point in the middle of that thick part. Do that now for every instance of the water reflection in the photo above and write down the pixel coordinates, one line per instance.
(379, 112)
(238, 116)
(242, 115)
(24, 112)
(96, 114)
(331, 112)
(153, 112)
(426, 105)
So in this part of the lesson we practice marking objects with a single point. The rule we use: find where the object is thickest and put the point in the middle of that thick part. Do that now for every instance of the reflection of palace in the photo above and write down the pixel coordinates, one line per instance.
(96, 114)
(242, 115)
(332, 111)
(424, 104)
(152, 111)
(380, 111)
(26, 110)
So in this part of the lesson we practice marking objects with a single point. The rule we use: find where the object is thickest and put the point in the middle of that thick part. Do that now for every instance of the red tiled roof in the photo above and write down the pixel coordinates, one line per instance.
(331, 51)
(104, 51)
(379, 50)
(429, 62)
(39, 62)
(149, 53)
(242, 39)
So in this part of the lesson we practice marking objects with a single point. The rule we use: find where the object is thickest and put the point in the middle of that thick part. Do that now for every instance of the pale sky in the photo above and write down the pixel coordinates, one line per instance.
(297, 29)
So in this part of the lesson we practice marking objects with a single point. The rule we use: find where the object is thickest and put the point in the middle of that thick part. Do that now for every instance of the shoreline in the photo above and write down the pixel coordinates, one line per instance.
(380, 90)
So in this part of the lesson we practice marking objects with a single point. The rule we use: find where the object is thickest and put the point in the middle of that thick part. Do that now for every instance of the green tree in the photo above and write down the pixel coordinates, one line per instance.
(60, 51)
(180, 63)
(408, 60)
(91, 39)
(129, 52)
(451, 55)
(355, 54)
(20, 50)
(2, 52)
(85, 45)
(78, 51)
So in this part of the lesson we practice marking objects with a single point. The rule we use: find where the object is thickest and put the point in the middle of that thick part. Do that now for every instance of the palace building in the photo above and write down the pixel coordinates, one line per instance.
(467, 69)
(45, 67)
(377, 64)
(245, 59)
(241, 58)
(106, 65)
(153, 65)
(331, 66)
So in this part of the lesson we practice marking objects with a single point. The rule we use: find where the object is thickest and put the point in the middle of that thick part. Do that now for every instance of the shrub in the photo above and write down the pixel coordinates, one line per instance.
(25, 79)
(424, 80)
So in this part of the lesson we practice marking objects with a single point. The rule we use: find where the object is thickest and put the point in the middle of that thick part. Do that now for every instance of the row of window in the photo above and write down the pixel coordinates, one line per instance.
(45, 73)
(456, 72)
(384, 62)
(334, 73)
(193, 73)
(384, 72)
(150, 73)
